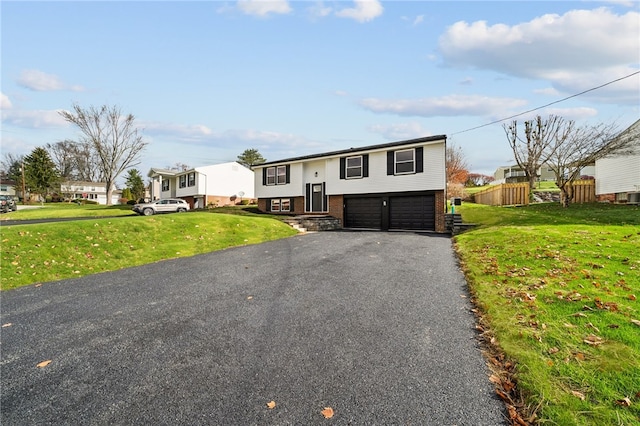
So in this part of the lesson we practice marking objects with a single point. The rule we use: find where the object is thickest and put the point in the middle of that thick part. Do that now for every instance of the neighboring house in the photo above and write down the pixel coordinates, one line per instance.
(618, 176)
(7, 187)
(515, 174)
(399, 185)
(217, 185)
(94, 191)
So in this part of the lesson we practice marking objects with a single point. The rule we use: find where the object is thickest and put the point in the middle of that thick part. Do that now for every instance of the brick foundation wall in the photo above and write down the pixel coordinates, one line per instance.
(611, 198)
(336, 207)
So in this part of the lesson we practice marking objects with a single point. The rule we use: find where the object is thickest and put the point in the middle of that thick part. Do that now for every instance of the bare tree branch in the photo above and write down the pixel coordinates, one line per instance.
(113, 138)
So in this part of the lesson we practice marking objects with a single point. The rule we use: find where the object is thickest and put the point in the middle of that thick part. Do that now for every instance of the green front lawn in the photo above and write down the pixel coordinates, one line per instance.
(39, 253)
(557, 290)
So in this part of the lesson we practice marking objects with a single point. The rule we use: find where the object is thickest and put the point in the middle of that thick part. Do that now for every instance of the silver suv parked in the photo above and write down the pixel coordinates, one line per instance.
(166, 205)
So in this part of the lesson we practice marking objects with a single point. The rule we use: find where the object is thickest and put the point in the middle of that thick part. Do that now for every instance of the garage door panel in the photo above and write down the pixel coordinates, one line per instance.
(363, 212)
(412, 212)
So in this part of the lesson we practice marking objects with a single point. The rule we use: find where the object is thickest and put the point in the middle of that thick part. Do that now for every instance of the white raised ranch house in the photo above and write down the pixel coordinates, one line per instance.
(398, 185)
(215, 185)
(618, 176)
(94, 191)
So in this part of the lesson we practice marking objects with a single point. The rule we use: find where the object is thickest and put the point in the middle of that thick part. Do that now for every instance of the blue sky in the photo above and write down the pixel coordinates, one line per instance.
(208, 79)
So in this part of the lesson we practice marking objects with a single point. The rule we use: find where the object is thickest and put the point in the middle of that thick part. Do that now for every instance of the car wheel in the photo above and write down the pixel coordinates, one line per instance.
(147, 212)
(182, 210)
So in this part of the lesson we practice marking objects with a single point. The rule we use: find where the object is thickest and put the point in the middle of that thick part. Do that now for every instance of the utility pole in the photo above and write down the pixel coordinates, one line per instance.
(24, 192)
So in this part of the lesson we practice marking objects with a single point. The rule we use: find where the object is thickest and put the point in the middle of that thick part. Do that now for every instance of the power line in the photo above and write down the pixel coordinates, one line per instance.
(549, 104)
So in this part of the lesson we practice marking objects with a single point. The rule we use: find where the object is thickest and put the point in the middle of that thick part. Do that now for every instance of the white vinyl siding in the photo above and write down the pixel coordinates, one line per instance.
(433, 177)
(618, 174)
(295, 187)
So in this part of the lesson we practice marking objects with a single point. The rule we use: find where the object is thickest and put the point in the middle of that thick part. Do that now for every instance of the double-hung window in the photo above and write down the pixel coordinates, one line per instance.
(282, 175)
(276, 175)
(165, 185)
(271, 176)
(191, 179)
(280, 204)
(405, 161)
(183, 181)
(354, 167)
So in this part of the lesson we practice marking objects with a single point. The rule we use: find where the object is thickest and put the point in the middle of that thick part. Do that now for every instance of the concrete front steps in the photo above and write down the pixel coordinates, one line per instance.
(453, 223)
(314, 223)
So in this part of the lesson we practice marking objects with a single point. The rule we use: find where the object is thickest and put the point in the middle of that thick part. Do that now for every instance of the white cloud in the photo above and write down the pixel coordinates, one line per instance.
(467, 81)
(548, 91)
(190, 132)
(364, 10)
(43, 82)
(592, 46)
(33, 119)
(319, 10)
(452, 105)
(400, 131)
(5, 103)
(263, 8)
(419, 19)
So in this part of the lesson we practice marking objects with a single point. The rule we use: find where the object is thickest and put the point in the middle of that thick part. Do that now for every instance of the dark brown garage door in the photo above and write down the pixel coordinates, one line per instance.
(412, 212)
(363, 212)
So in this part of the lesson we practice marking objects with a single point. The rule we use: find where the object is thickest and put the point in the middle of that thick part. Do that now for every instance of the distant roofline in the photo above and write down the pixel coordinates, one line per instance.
(355, 150)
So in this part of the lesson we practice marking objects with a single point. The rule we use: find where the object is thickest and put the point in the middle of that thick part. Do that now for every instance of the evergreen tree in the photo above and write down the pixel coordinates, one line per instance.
(40, 173)
(250, 157)
(135, 183)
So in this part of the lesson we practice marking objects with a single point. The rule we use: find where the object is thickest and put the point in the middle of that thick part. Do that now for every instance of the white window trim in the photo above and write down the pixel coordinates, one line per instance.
(396, 162)
(272, 177)
(281, 172)
(182, 181)
(347, 168)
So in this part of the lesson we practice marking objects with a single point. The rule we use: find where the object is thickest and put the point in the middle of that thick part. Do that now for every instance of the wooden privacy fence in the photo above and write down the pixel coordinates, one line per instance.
(506, 194)
(584, 191)
(510, 194)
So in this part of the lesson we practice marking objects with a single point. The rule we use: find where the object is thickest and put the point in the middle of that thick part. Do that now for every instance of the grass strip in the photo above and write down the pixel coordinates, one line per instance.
(558, 289)
(39, 253)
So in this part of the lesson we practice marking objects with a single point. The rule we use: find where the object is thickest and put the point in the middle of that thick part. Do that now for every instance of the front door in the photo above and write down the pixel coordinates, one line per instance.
(316, 197)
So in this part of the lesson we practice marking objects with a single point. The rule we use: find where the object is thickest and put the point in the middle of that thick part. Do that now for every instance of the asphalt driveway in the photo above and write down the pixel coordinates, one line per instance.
(370, 324)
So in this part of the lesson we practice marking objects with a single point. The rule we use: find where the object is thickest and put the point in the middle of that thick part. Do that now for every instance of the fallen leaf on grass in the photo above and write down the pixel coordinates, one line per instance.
(44, 363)
(578, 394)
(632, 297)
(327, 412)
(593, 340)
(593, 327)
(624, 402)
(636, 322)
(554, 350)
(271, 405)
(579, 356)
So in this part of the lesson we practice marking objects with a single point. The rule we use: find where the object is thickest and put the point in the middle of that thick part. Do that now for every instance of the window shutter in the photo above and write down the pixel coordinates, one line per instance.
(325, 207)
(292, 208)
(343, 167)
(365, 165)
(419, 159)
(264, 176)
(308, 198)
(390, 163)
(288, 173)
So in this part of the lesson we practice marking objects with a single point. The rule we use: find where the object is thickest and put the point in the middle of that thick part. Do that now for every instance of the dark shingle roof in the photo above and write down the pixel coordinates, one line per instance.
(356, 150)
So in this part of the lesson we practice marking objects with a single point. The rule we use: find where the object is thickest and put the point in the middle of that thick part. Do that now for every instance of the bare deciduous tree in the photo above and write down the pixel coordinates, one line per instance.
(456, 164)
(581, 147)
(113, 137)
(533, 148)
